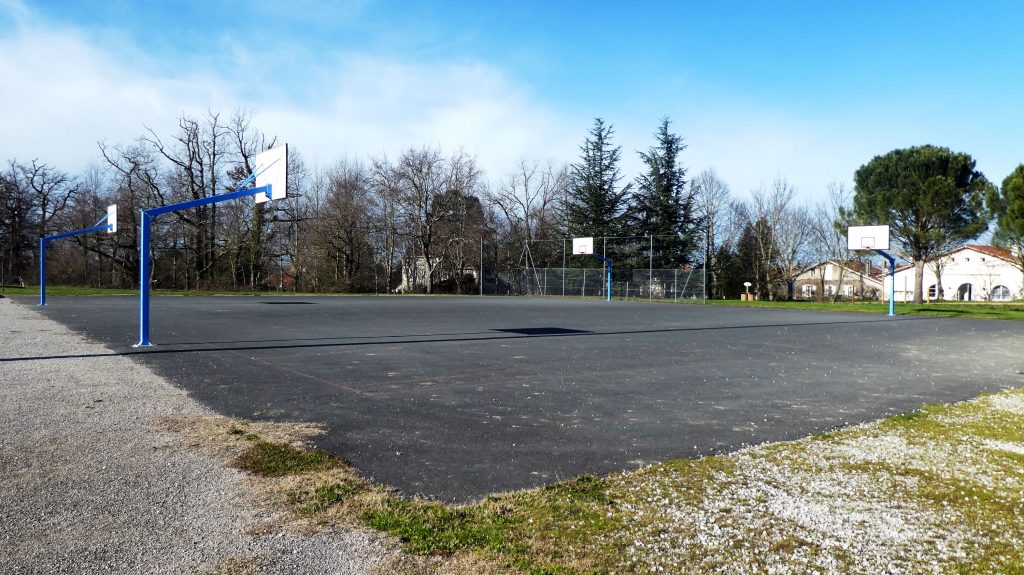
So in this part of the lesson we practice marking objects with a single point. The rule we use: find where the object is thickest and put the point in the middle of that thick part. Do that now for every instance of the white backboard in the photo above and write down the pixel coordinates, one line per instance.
(272, 169)
(582, 246)
(112, 219)
(867, 237)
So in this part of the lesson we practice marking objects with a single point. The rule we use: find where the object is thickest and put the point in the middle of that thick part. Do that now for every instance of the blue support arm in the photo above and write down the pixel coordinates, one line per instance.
(144, 237)
(99, 227)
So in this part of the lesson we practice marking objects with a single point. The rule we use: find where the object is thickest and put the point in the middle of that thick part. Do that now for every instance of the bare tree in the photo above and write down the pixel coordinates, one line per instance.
(346, 224)
(52, 191)
(768, 210)
(387, 190)
(465, 226)
(528, 199)
(793, 237)
(424, 176)
(832, 219)
(712, 204)
(198, 157)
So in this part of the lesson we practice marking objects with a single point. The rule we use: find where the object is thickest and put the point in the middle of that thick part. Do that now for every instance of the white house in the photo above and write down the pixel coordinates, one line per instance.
(852, 280)
(968, 273)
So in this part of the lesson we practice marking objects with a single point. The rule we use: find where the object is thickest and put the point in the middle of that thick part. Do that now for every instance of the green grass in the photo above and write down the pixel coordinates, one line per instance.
(277, 460)
(1013, 310)
(61, 290)
(561, 528)
(577, 526)
(58, 291)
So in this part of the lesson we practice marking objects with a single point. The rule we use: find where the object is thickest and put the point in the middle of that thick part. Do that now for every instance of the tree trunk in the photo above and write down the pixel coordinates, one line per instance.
(918, 280)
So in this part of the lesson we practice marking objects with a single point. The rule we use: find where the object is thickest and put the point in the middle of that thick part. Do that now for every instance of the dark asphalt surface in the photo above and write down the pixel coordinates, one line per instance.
(458, 397)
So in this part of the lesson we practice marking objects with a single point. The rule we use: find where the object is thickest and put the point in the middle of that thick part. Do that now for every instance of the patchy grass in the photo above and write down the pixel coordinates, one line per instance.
(276, 459)
(59, 290)
(63, 290)
(985, 310)
(937, 490)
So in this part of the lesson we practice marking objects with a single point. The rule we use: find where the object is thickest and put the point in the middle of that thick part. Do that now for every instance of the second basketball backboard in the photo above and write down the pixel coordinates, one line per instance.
(583, 246)
(272, 170)
(867, 237)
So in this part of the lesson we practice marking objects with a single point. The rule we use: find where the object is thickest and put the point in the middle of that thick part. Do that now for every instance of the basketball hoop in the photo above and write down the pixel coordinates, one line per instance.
(582, 246)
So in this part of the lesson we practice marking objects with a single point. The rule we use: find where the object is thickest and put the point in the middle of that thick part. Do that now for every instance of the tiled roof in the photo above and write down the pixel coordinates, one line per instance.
(992, 251)
(987, 250)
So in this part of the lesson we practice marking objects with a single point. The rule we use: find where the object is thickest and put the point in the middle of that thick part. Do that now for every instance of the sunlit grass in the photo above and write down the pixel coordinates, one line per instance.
(948, 478)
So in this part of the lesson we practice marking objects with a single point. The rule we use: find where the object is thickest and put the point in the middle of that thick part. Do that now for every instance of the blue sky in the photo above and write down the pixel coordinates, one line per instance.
(806, 90)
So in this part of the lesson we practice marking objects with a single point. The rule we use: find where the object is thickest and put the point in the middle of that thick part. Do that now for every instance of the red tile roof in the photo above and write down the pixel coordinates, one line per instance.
(992, 251)
(987, 250)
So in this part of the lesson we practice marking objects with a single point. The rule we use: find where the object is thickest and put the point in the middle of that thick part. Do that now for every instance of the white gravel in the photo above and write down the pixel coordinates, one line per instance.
(90, 484)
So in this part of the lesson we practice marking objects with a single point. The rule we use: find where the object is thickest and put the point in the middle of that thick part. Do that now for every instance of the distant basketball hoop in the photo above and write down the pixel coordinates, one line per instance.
(583, 246)
(867, 238)
(875, 238)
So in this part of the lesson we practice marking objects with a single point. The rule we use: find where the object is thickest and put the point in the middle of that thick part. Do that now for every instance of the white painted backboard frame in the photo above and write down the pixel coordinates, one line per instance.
(867, 238)
(112, 219)
(583, 246)
(272, 169)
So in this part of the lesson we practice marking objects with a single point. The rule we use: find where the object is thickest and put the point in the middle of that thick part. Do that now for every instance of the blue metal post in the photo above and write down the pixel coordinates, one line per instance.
(42, 252)
(144, 281)
(609, 266)
(144, 240)
(892, 281)
(892, 287)
(42, 271)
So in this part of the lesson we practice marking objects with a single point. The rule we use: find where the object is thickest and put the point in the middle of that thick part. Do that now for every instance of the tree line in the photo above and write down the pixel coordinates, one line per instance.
(426, 220)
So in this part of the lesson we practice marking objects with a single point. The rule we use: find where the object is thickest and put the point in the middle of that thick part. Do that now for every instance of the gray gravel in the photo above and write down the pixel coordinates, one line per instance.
(90, 484)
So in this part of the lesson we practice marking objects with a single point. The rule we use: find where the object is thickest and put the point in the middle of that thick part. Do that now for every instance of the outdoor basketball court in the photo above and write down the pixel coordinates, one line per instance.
(457, 397)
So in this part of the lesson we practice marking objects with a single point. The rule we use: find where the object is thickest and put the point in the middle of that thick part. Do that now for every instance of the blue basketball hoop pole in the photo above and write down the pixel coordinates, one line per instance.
(99, 227)
(892, 281)
(608, 266)
(144, 239)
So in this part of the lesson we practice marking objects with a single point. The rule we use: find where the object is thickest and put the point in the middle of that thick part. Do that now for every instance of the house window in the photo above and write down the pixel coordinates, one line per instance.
(848, 290)
(967, 259)
(814, 273)
(830, 289)
(1000, 293)
(933, 292)
(808, 291)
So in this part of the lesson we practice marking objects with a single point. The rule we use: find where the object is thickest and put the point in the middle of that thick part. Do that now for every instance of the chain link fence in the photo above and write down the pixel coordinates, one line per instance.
(674, 284)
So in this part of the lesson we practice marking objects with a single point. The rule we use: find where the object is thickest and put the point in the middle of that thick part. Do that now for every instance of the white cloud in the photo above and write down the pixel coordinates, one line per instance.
(375, 105)
(62, 93)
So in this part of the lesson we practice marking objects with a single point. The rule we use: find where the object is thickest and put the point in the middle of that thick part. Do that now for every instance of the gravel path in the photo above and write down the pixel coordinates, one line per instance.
(90, 484)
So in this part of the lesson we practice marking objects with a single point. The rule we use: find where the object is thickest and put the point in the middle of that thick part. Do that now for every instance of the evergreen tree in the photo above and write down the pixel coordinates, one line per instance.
(595, 205)
(1006, 206)
(662, 206)
(930, 197)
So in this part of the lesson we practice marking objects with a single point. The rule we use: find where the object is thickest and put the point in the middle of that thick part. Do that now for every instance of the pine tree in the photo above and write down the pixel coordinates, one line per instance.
(662, 206)
(595, 205)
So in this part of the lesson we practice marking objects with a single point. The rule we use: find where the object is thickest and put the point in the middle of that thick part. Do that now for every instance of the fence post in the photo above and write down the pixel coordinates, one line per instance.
(583, 284)
(563, 267)
(675, 284)
(650, 271)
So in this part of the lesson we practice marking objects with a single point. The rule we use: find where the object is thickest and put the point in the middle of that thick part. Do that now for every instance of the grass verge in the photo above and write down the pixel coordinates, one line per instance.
(985, 310)
(938, 490)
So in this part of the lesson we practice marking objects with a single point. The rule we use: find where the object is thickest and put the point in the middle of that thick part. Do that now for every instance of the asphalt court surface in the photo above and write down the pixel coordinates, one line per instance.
(457, 397)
